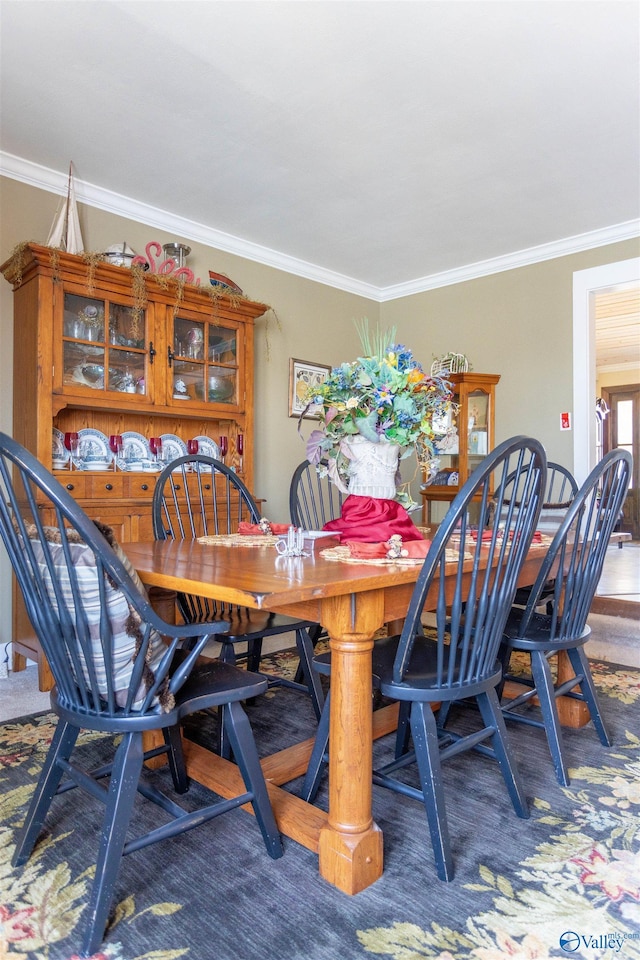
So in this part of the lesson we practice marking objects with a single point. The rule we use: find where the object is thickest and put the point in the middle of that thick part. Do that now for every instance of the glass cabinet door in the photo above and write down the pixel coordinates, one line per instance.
(103, 346)
(477, 428)
(205, 362)
(447, 448)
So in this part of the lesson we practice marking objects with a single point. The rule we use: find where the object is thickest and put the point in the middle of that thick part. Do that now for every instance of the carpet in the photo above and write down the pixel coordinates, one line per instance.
(565, 883)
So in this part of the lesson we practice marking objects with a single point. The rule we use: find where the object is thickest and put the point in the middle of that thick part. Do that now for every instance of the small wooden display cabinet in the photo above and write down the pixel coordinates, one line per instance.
(464, 440)
(114, 349)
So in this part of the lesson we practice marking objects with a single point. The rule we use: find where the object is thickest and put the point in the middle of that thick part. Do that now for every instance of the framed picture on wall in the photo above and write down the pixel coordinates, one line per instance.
(303, 376)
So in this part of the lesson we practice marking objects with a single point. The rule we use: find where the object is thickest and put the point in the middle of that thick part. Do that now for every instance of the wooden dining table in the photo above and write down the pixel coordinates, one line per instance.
(352, 601)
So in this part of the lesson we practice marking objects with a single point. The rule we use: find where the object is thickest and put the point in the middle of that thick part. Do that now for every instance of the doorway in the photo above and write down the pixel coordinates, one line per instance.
(622, 429)
(586, 285)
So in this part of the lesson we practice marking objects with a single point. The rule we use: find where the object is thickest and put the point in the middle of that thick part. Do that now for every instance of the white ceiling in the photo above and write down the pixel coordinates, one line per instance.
(371, 144)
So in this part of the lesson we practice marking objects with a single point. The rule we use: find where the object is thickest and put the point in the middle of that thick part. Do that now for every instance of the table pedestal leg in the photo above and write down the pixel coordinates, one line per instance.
(350, 847)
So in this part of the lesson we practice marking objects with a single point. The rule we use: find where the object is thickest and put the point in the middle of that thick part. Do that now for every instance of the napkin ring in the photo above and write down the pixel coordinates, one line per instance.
(394, 544)
(265, 526)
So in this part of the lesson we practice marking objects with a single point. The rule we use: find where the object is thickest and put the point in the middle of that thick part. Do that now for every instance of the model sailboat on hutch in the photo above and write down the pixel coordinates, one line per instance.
(65, 231)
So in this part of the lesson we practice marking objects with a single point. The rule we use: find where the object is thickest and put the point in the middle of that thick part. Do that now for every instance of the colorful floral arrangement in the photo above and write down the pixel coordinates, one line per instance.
(383, 395)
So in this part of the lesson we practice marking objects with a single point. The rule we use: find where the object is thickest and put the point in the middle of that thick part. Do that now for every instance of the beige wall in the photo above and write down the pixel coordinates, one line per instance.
(517, 323)
(617, 378)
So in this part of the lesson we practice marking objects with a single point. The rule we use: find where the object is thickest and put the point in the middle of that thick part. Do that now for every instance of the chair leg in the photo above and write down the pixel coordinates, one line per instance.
(504, 656)
(489, 707)
(442, 715)
(122, 793)
(254, 655)
(318, 759)
(579, 662)
(425, 743)
(246, 754)
(227, 655)
(175, 755)
(315, 632)
(304, 646)
(403, 733)
(543, 682)
(223, 745)
(62, 745)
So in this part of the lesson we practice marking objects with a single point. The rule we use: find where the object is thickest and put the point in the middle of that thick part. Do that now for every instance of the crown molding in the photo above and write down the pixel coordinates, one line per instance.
(54, 181)
(629, 230)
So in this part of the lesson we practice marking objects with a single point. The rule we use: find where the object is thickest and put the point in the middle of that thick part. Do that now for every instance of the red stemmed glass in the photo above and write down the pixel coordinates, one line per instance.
(115, 445)
(72, 443)
(192, 449)
(240, 446)
(155, 445)
(224, 446)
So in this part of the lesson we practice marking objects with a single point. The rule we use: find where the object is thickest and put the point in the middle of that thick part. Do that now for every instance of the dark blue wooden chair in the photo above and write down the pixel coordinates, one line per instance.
(561, 486)
(114, 673)
(560, 489)
(197, 496)
(313, 499)
(572, 567)
(461, 661)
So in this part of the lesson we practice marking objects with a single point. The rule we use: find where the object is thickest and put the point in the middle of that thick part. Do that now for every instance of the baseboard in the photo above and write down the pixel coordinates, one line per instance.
(611, 607)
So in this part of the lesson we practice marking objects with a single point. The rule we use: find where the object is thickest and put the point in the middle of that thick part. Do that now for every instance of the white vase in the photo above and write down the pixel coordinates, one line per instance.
(373, 467)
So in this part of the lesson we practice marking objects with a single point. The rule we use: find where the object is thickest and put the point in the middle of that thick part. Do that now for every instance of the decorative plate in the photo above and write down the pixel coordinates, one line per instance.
(172, 447)
(135, 451)
(208, 447)
(59, 453)
(93, 450)
(220, 280)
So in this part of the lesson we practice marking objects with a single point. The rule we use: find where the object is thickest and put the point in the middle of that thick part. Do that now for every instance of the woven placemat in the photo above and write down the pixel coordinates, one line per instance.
(545, 539)
(343, 555)
(240, 540)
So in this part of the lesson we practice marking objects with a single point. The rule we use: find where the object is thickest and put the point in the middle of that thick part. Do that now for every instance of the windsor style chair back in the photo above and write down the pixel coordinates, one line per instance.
(567, 580)
(118, 669)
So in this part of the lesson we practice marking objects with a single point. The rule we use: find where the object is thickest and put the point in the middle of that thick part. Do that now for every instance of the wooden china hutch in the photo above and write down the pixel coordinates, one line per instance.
(118, 350)
(461, 445)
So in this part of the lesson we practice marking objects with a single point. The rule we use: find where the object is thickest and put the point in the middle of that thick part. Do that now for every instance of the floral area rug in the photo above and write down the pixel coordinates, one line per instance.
(565, 883)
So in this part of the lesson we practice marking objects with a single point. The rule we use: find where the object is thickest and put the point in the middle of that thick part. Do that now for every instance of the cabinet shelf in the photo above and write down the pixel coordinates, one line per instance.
(115, 406)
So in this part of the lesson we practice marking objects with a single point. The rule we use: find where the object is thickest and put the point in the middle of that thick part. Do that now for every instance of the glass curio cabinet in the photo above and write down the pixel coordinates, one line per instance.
(462, 440)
